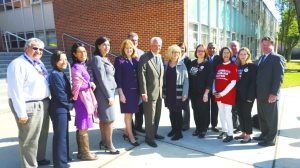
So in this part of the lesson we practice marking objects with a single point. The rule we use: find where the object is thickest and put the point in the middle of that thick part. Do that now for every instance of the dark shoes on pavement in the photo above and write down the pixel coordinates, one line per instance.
(222, 135)
(214, 129)
(176, 137)
(159, 137)
(202, 135)
(264, 143)
(171, 133)
(151, 143)
(228, 139)
(43, 162)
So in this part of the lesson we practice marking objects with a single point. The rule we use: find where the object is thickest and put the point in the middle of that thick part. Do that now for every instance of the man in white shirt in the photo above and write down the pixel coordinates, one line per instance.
(28, 92)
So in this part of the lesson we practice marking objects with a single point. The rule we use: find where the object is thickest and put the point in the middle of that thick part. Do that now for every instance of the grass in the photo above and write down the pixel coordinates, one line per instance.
(293, 65)
(291, 79)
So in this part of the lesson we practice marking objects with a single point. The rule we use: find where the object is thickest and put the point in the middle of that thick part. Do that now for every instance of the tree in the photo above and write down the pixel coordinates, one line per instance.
(297, 6)
(289, 32)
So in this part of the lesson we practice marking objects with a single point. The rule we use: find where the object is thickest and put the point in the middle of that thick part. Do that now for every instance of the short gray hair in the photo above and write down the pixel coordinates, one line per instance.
(235, 42)
(157, 39)
(132, 34)
(34, 40)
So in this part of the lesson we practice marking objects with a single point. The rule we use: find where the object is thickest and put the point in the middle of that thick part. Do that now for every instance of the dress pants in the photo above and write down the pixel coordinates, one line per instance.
(30, 133)
(268, 119)
(176, 120)
(186, 115)
(201, 113)
(244, 113)
(226, 118)
(152, 112)
(213, 115)
(60, 144)
(138, 124)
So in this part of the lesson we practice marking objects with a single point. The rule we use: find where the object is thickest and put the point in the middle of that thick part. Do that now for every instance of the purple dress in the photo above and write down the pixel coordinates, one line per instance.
(126, 78)
(82, 119)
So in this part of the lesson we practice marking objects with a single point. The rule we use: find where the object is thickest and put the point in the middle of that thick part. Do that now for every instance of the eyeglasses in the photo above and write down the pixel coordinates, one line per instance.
(40, 49)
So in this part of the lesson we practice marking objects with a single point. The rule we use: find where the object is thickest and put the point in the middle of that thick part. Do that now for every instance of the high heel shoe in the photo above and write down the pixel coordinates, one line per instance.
(116, 152)
(102, 145)
(133, 143)
(125, 137)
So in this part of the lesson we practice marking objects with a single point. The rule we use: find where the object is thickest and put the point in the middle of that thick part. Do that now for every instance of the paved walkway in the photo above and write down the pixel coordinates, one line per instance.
(189, 151)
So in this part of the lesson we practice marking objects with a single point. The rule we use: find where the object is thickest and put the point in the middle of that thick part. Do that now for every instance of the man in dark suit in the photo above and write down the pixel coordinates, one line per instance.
(138, 124)
(214, 60)
(150, 74)
(268, 81)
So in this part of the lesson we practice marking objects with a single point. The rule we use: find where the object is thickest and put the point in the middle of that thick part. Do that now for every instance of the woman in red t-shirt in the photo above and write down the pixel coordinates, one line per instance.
(224, 91)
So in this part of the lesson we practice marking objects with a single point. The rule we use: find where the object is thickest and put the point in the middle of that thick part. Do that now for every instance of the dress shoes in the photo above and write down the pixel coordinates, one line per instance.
(228, 139)
(176, 137)
(214, 129)
(259, 138)
(151, 143)
(185, 128)
(196, 133)
(141, 130)
(222, 135)
(202, 135)
(159, 137)
(43, 162)
(171, 133)
(264, 143)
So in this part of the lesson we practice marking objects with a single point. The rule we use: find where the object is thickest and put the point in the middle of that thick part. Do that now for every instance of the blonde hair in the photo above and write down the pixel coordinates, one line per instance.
(171, 49)
(128, 43)
(248, 60)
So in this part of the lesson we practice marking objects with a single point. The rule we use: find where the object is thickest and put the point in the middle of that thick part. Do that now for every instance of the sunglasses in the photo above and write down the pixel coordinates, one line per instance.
(40, 49)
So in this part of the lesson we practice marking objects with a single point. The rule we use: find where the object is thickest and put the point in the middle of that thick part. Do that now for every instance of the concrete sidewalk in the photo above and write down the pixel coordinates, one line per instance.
(189, 151)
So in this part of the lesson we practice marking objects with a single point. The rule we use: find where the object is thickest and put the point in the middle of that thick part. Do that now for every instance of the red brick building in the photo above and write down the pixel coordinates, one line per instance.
(115, 18)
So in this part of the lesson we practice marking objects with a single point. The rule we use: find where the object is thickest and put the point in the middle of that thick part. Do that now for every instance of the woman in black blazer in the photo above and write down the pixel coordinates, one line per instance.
(60, 105)
(245, 93)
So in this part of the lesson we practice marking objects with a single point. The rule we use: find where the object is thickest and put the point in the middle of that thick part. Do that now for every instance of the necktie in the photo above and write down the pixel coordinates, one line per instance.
(263, 57)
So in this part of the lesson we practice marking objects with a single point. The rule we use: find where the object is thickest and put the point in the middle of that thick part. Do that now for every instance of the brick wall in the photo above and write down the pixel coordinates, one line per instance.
(89, 19)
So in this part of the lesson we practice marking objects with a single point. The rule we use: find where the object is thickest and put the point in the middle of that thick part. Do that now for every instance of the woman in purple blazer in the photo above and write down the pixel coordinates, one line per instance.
(127, 83)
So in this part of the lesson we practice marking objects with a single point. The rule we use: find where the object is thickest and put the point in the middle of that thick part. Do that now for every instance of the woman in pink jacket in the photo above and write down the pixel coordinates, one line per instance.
(85, 102)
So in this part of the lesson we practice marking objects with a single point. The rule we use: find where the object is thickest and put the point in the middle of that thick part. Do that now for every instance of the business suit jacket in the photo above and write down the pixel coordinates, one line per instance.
(60, 93)
(103, 73)
(269, 76)
(60, 104)
(246, 85)
(150, 78)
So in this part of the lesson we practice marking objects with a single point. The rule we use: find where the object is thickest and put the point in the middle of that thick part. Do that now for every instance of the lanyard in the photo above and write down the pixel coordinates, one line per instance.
(38, 66)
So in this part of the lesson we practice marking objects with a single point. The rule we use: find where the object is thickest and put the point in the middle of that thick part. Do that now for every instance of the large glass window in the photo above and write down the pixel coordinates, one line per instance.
(193, 10)
(21, 43)
(204, 34)
(221, 14)
(213, 13)
(1, 6)
(204, 12)
(193, 37)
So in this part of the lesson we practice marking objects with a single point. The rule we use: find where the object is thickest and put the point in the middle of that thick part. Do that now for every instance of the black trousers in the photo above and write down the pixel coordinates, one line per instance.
(176, 120)
(244, 109)
(139, 117)
(201, 113)
(213, 108)
(186, 115)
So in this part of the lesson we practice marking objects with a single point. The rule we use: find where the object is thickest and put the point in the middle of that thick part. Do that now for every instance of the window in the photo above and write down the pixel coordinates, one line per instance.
(40, 35)
(29, 35)
(51, 38)
(193, 10)
(204, 34)
(204, 12)
(193, 37)
(13, 41)
(8, 4)
(21, 43)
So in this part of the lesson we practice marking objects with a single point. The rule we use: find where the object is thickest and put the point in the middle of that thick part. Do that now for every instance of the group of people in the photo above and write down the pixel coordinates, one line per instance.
(221, 85)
